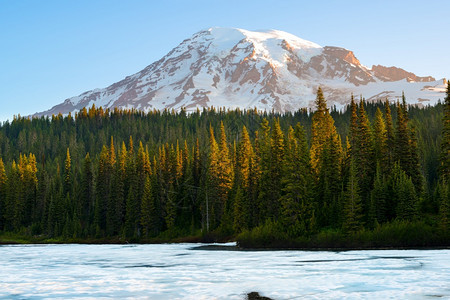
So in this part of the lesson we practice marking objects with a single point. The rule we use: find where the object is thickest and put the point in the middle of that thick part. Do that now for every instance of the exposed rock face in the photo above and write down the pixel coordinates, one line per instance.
(395, 74)
(270, 70)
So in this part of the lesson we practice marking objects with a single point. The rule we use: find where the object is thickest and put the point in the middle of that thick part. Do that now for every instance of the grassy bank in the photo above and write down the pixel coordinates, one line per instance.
(394, 235)
(397, 234)
(24, 237)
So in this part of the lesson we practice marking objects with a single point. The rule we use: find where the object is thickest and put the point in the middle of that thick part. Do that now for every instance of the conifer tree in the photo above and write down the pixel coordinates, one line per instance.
(241, 217)
(171, 209)
(402, 138)
(67, 173)
(296, 205)
(364, 156)
(407, 199)
(444, 205)
(87, 190)
(263, 157)
(322, 128)
(379, 197)
(353, 125)
(326, 158)
(220, 175)
(414, 169)
(352, 210)
(380, 141)
(3, 182)
(390, 136)
(245, 160)
(103, 189)
(445, 144)
(148, 210)
(244, 180)
(276, 169)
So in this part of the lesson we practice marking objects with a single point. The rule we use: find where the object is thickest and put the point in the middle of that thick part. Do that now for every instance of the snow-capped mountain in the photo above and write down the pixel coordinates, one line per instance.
(269, 70)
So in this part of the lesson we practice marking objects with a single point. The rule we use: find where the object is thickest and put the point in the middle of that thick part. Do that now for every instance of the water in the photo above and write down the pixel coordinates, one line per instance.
(179, 272)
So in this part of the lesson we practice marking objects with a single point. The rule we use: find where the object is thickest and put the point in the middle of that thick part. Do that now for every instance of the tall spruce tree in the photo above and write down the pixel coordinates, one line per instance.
(3, 193)
(326, 160)
(67, 174)
(296, 204)
(148, 210)
(364, 156)
(390, 136)
(381, 150)
(445, 144)
(352, 207)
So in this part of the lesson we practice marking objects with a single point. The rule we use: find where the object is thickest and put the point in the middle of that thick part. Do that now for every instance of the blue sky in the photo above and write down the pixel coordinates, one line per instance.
(53, 50)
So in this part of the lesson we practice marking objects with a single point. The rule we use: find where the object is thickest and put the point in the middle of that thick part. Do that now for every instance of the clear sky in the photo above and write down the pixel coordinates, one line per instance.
(53, 50)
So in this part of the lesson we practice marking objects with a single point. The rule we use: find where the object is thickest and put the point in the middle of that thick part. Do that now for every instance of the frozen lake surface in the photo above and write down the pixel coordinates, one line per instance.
(179, 271)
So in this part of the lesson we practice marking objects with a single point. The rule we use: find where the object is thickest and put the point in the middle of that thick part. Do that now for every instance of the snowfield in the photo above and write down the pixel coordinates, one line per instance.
(176, 271)
(268, 70)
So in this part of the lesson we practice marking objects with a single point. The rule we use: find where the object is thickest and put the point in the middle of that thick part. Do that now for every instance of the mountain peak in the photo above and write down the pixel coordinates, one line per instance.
(267, 69)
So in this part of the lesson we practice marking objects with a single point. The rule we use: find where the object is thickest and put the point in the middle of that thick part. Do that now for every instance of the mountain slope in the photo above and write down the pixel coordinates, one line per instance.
(269, 70)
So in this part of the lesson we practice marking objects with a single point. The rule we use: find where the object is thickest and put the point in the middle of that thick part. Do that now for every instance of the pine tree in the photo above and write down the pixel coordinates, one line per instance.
(244, 180)
(322, 128)
(171, 209)
(245, 160)
(276, 170)
(263, 158)
(407, 199)
(445, 144)
(402, 138)
(3, 182)
(326, 159)
(103, 190)
(364, 157)
(220, 175)
(296, 203)
(67, 174)
(390, 136)
(414, 168)
(148, 210)
(380, 142)
(353, 125)
(444, 206)
(87, 190)
(352, 210)
(379, 197)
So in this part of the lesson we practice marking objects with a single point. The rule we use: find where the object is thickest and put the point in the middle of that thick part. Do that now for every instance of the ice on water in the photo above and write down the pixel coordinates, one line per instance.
(177, 271)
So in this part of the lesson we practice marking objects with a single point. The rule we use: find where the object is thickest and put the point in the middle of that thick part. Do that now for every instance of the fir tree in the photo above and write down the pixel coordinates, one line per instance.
(352, 209)
(3, 193)
(444, 206)
(445, 143)
(381, 150)
(148, 210)
(390, 136)
(402, 138)
(67, 173)
(322, 128)
(296, 203)
(353, 125)
(364, 156)
(240, 220)
(379, 197)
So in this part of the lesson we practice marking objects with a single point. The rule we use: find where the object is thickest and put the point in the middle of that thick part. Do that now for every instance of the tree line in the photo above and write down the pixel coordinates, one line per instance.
(134, 175)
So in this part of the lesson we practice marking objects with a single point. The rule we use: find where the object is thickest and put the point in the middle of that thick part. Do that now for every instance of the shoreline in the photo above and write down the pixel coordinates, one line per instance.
(215, 246)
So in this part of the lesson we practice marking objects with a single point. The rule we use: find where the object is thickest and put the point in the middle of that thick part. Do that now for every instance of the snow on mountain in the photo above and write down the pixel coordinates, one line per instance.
(269, 70)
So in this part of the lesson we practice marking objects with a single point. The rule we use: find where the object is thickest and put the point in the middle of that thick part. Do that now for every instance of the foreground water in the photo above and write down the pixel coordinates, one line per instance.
(175, 271)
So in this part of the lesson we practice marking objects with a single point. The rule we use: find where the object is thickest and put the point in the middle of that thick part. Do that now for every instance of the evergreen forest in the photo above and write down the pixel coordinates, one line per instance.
(374, 175)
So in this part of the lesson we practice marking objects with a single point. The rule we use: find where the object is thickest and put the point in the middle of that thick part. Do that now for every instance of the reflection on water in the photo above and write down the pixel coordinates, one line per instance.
(182, 271)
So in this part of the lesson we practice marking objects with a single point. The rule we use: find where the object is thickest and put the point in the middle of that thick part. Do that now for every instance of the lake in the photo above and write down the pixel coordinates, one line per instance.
(182, 271)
